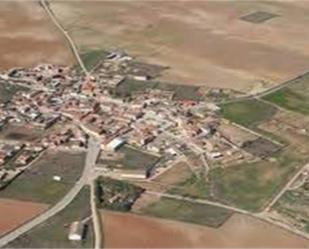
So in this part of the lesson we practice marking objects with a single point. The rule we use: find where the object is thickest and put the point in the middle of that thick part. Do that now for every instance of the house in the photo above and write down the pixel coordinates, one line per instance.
(76, 231)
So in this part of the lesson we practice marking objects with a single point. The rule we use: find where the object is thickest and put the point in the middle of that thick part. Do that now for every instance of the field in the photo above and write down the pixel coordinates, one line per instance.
(37, 184)
(181, 92)
(11, 215)
(8, 90)
(28, 37)
(204, 43)
(249, 113)
(250, 186)
(132, 158)
(53, 232)
(20, 133)
(238, 232)
(294, 97)
(188, 212)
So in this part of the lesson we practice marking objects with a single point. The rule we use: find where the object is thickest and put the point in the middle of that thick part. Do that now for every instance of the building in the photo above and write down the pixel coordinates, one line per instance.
(76, 231)
(115, 144)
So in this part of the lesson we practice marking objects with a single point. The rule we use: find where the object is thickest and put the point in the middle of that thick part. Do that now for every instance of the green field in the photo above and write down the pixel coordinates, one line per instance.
(194, 187)
(188, 212)
(37, 184)
(8, 90)
(295, 97)
(181, 92)
(53, 233)
(91, 58)
(250, 186)
(132, 159)
(248, 113)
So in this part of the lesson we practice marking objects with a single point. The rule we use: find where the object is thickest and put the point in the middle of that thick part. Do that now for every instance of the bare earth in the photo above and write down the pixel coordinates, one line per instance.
(13, 213)
(132, 231)
(28, 37)
(204, 42)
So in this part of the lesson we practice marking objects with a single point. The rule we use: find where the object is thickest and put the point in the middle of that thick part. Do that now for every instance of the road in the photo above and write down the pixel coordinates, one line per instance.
(285, 188)
(66, 35)
(93, 152)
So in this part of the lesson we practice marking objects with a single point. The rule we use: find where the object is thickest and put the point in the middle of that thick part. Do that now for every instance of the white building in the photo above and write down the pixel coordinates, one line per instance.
(114, 144)
(76, 231)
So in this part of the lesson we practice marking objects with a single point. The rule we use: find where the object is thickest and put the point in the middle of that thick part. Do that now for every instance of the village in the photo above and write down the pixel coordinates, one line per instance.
(158, 128)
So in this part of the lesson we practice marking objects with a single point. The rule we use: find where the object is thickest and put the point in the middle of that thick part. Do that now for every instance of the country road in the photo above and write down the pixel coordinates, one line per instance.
(93, 151)
(74, 49)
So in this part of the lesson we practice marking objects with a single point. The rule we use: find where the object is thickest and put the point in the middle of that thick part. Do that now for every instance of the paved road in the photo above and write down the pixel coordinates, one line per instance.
(96, 220)
(66, 35)
(93, 151)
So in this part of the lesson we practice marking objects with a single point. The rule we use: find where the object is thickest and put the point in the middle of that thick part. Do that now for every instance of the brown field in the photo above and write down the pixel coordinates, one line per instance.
(132, 231)
(28, 37)
(13, 213)
(204, 42)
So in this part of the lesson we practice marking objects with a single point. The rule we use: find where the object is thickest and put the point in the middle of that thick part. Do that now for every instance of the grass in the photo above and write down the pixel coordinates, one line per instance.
(133, 159)
(53, 233)
(250, 186)
(248, 113)
(181, 92)
(194, 187)
(91, 58)
(37, 184)
(8, 90)
(188, 212)
(291, 99)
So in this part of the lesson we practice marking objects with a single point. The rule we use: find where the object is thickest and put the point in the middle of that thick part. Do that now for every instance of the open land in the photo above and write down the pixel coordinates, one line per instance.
(11, 215)
(37, 183)
(238, 231)
(28, 37)
(205, 43)
(53, 233)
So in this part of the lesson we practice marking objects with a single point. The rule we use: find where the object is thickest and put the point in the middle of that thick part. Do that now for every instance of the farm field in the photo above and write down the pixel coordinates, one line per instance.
(295, 97)
(11, 215)
(249, 113)
(204, 43)
(250, 186)
(28, 37)
(53, 232)
(239, 231)
(188, 212)
(37, 184)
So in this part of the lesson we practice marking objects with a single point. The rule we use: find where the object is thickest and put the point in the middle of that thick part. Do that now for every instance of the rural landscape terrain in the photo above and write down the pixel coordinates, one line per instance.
(151, 124)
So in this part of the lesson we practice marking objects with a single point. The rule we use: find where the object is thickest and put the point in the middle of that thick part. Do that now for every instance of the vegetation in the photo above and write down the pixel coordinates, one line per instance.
(251, 185)
(131, 158)
(91, 58)
(181, 92)
(37, 183)
(53, 233)
(194, 187)
(188, 212)
(248, 113)
(116, 195)
(8, 90)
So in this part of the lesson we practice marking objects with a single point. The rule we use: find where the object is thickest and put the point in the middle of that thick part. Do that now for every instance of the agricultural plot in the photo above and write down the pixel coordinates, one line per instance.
(20, 133)
(53, 233)
(181, 92)
(251, 185)
(130, 158)
(91, 59)
(37, 183)
(295, 97)
(258, 17)
(249, 113)
(188, 212)
(293, 207)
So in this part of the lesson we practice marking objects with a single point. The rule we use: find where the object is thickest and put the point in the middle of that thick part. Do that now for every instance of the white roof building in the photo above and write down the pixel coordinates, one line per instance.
(114, 144)
(76, 231)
